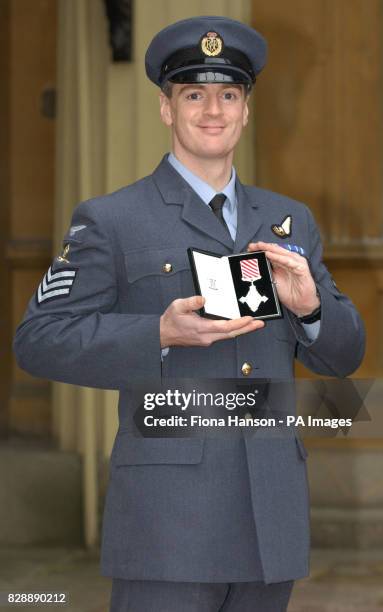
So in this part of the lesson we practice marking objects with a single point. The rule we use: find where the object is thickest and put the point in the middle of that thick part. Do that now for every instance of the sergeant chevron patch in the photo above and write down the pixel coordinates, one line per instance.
(56, 285)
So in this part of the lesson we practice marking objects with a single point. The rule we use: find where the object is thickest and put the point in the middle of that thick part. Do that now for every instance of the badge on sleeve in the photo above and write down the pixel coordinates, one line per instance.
(76, 228)
(63, 256)
(56, 285)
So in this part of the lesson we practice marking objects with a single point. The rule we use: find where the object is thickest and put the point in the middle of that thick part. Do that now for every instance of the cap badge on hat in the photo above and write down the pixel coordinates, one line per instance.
(211, 44)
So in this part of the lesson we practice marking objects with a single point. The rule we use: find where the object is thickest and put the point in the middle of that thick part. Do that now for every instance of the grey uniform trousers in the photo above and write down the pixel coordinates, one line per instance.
(153, 596)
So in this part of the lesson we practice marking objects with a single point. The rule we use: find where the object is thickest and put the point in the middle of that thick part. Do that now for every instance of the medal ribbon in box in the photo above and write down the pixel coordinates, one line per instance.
(250, 270)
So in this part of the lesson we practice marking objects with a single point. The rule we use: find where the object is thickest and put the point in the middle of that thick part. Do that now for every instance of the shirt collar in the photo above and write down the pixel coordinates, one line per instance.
(203, 189)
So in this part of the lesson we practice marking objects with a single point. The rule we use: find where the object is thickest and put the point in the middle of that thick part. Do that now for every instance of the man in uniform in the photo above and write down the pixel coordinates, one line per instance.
(193, 523)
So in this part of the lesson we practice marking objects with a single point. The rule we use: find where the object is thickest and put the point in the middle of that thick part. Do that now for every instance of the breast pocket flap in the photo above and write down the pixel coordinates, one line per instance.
(163, 262)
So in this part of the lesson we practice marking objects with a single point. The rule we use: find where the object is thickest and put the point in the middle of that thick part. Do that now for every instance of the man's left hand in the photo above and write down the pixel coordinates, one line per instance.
(294, 284)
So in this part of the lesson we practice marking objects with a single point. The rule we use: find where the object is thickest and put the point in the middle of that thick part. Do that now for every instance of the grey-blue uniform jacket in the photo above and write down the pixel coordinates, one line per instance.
(198, 508)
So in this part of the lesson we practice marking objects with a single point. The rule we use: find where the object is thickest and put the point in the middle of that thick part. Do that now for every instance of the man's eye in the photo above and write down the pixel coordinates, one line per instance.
(229, 95)
(195, 95)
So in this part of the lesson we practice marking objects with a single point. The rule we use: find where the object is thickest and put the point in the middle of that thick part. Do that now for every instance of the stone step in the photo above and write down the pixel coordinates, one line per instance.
(346, 497)
(40, 496)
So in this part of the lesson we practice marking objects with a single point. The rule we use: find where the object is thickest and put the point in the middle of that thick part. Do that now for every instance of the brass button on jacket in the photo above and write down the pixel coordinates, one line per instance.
(246, 368)
(167, 267)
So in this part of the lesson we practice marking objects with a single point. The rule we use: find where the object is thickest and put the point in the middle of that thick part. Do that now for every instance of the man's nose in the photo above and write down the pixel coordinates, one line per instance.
(212, 105)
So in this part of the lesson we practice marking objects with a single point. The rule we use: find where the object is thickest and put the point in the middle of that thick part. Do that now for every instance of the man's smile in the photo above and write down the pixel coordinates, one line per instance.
(212, 129)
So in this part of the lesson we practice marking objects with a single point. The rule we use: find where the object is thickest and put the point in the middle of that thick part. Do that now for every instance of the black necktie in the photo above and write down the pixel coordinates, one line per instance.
(216, 205)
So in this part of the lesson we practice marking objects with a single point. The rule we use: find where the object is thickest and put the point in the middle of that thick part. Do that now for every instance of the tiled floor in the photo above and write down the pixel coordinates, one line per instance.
(341, 581)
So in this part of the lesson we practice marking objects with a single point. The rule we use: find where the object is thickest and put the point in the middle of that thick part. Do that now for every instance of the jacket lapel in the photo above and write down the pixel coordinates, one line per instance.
(197, 214)
(175, 190)
(249, 217)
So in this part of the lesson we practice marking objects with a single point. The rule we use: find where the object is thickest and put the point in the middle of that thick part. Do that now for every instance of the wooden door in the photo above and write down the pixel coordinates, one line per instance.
(27, 142)
(319, 120)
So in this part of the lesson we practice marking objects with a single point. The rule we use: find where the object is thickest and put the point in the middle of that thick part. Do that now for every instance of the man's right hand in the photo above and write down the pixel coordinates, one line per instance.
(181, 326)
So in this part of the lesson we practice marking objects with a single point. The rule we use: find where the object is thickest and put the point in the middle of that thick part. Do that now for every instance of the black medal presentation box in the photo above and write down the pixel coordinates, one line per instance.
(235, 285)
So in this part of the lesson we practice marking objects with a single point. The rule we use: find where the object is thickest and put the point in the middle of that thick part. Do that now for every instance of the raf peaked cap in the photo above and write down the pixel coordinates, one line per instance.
(206, 50)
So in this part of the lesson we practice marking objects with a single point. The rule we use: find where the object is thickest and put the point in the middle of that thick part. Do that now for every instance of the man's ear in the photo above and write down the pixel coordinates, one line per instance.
(165, 110)
(246, 112)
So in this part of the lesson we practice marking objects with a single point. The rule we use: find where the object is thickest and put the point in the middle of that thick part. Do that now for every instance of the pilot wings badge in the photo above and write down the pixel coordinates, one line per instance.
(284, 229)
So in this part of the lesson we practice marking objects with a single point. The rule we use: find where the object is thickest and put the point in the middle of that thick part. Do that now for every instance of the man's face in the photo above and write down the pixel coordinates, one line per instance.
(206, 120)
